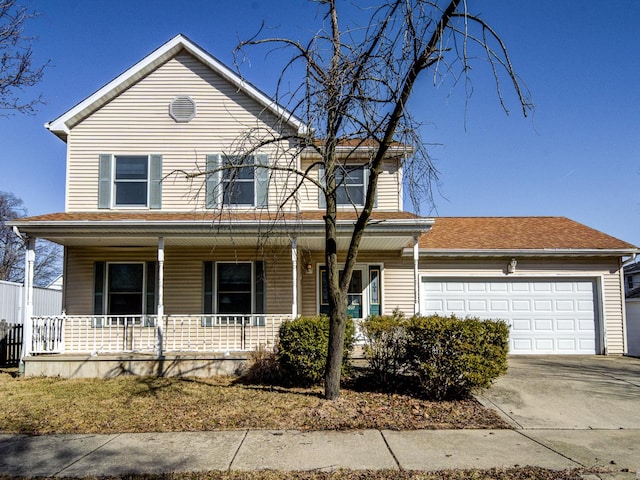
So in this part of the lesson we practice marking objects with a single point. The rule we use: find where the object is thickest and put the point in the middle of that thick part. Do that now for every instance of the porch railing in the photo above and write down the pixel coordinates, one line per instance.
(140, 333)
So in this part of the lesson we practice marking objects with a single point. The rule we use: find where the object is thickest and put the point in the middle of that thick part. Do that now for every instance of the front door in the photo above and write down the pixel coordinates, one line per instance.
(363, 296)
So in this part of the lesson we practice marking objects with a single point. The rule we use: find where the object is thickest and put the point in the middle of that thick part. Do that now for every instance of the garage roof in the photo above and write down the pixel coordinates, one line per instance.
(517, 233)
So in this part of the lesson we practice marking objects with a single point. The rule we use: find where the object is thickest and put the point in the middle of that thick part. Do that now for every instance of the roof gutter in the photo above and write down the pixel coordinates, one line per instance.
(566, 252)
(391, 227)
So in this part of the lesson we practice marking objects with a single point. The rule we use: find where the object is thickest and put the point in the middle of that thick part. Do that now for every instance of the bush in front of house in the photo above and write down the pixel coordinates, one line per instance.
(385, 346)
(452, 356)
(302, 349)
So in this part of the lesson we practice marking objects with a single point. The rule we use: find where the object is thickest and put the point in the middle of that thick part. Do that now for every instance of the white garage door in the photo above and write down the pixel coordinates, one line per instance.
(544, 316)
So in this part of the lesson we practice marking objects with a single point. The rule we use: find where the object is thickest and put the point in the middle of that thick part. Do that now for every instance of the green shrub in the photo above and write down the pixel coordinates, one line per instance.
(302, 349)
(385, 346)
(452, 356)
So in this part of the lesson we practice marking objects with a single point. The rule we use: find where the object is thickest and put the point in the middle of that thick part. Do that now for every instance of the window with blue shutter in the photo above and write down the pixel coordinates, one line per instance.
(130, 181)
(237, 181)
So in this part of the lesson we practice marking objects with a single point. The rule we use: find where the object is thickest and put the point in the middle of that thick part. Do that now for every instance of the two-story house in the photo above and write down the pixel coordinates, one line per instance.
(167, 252)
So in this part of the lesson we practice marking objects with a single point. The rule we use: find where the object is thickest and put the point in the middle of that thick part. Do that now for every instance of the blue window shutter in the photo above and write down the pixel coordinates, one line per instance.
(208, 282)
(262, 180)
(365, 177)
(214, 181)
(104, 181)
(99, 288)
(155, 181)
(152, 287)
(259, 288)
(322, 201)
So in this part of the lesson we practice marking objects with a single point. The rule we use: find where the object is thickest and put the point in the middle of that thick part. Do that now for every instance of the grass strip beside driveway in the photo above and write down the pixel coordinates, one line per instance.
(152, 404)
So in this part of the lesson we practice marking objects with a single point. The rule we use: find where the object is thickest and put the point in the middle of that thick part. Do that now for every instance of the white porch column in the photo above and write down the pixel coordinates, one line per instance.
(416, 277)
(27, 309)
(294, 276)
(160, 308)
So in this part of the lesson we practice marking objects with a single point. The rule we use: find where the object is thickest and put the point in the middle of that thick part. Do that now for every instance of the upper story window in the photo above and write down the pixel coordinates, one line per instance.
(237, 181)
(350, 186)
(130, 181)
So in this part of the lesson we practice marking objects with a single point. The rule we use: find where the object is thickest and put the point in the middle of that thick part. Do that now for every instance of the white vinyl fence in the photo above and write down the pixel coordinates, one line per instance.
(46, 301)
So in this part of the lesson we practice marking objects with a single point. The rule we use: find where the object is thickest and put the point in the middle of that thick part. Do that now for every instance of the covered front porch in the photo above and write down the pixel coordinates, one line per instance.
(155, 286)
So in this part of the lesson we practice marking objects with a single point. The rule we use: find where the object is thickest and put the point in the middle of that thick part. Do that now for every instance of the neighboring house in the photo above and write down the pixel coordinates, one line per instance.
(46, 301)
(223, 263)
(632, 295)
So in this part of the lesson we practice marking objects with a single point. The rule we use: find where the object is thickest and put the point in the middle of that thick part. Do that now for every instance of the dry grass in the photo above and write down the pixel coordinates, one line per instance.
(525, 473)
(151, 404)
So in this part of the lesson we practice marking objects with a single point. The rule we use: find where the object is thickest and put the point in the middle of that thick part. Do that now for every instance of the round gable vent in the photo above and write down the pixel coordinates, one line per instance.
(182, 109)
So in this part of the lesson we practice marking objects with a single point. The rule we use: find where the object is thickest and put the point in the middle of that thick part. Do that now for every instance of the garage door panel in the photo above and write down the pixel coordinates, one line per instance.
(543, 305)
(521, 324)
(566, 325)
(520, 305)
(543, 325)
(542, 287)
(499, 306)
(544, 316)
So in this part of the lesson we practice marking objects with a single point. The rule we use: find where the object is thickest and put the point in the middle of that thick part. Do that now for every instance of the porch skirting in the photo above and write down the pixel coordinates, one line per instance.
(114, 365)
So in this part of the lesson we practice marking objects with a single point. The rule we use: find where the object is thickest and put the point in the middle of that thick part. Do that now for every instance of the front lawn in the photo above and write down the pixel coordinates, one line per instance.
(151, 404)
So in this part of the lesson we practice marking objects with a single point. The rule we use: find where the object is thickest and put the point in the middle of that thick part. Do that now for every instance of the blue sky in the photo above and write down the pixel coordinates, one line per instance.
(577, 156)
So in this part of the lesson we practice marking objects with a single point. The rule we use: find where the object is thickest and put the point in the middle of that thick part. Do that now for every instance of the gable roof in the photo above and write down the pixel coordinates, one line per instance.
(62, 125)
(521, 235)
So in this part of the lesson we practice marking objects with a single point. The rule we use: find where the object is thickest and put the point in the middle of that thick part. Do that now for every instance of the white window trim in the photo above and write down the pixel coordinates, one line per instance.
(114, 205)
(216, 290)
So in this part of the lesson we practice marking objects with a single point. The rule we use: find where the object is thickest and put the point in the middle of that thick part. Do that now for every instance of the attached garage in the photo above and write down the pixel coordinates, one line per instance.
(545, 316)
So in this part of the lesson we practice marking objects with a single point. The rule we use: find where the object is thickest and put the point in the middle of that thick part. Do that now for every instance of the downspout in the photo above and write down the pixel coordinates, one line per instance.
(629, 260)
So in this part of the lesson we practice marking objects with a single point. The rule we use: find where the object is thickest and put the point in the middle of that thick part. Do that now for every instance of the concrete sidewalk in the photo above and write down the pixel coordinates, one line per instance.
(428, 450)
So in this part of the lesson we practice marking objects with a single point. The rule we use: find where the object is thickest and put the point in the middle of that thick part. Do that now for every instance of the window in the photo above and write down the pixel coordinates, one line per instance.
(354, 293)
(350, 186)
(246, 184)
(236, 289)
(124, 289)
(238, 182)
(130, 181)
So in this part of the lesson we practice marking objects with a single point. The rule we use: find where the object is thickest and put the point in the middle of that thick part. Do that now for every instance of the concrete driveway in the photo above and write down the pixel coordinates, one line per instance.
(568, 392)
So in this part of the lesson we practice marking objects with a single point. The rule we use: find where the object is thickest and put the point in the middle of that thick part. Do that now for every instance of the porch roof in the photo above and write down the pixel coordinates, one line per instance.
(386, 230)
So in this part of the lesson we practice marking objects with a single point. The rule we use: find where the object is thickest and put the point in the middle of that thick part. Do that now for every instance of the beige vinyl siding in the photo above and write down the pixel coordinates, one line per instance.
(138, 122)
(595, 268)
(389, 185)
(183, 276)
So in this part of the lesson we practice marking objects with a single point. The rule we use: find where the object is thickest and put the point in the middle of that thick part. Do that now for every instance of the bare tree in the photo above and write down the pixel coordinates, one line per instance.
(48, 264)
(354, 95)
(17, 71)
